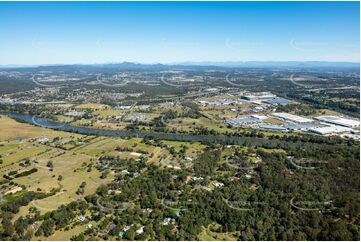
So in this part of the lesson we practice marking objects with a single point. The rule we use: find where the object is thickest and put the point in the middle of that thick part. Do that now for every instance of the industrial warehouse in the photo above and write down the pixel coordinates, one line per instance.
(339, 121)
(321, 125)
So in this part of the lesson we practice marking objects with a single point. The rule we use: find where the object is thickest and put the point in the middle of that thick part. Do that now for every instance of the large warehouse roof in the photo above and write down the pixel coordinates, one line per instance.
(339, 121)
(278, 101)
(241, 121)
(329, 130)
(291, 117)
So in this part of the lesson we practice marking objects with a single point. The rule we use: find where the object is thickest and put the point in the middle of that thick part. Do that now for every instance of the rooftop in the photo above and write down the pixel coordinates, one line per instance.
(329, 130)
(339, 121)
(276, 101)
(291, 117)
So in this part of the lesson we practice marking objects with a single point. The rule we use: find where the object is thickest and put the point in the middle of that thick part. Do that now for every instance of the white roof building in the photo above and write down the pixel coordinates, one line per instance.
(189, 158)
(43, 139)
(123, 107)
(339, 121)
(74, 113)
(291, 117)
(217, 184)
(81, 218)
(261, 117)
(329, 130)
(126, 228)
(125, 172)
(140, 230)
(258, 96)
(167, 221)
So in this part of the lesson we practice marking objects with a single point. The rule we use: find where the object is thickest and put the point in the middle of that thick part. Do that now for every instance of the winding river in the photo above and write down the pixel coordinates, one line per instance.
(208, 139)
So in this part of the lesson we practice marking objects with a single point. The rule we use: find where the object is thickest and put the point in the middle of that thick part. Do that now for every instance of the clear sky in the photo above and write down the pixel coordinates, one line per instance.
(166, 32)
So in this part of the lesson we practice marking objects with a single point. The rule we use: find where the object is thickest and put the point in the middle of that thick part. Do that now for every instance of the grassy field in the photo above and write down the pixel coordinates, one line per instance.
(193, 148)
(15, 155)
(207, 235)
(108, 112)
(106, 146)
(7, 147)
(93, 106)
(63, 118)
(11, 130)
(70, 167)
(326, 112)
(67, 164)
(188, 124)
(102, 124)
(220, 114)
(62, 235)
(274, 121)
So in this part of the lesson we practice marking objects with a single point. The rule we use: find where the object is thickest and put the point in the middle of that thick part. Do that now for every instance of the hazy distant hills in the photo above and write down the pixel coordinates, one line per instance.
(274, 64)
(185, 65)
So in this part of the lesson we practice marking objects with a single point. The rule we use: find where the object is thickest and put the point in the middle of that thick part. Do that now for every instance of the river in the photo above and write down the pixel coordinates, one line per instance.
(207, 139)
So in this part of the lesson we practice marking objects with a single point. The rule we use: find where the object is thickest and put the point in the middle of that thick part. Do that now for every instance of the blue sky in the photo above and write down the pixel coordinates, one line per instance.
(167, 32)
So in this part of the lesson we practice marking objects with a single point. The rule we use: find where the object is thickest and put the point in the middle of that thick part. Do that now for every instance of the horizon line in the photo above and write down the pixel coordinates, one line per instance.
(180, 63)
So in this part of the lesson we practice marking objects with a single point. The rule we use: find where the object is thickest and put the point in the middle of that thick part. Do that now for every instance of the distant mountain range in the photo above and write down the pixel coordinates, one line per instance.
(187, 65)
(274, 64)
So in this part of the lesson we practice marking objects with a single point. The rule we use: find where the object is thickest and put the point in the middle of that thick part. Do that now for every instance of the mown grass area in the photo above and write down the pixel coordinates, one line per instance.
(7, 147)
(97, 147)
(189, 124)
(21, 152)
(13, 197)
(68, 172)
(11, 130)
(65, 235)
(93, 106)
(106, 146)
(178, 145)
(101, 124)
(109, 112)
(207, 235)
(60, 106)
(193, 148)
(280, 151)
(326, 112)
(220, 114)
(72, 168)
(274, 121)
